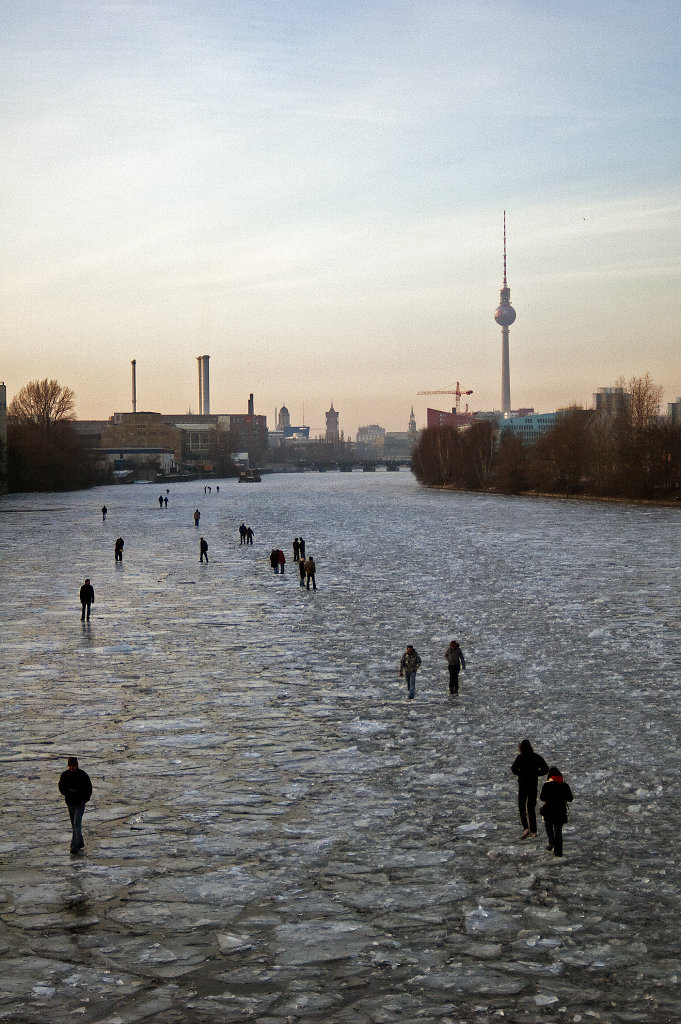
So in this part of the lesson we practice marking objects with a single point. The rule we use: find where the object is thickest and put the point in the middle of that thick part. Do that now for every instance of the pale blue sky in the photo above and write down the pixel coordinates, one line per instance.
(313, 193)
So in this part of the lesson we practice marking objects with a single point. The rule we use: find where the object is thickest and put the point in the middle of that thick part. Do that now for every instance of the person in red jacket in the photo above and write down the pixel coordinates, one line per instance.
(556, 795)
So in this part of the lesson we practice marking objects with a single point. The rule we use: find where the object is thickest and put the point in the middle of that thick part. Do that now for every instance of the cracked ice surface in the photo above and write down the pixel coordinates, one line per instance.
(276, 834)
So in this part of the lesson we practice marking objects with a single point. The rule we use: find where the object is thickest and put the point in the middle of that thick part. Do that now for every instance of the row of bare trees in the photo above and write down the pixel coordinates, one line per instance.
(627, 451)
(44, 453)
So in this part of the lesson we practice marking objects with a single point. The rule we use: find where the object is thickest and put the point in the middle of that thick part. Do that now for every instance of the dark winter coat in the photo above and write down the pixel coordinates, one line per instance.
(556, 795)
(454, 657)
(87, 593)
(528, 768)
(75, 787)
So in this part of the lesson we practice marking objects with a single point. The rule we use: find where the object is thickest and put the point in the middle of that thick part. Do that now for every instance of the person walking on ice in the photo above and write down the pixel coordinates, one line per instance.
(301, 571)
(118, 550)
(556, 795)
(104, 512)
(528, 766)
(409, 665)
(197, 517)
(203, 548)
(310, 572)
(87, 597)
(76, 788)
(455, 662)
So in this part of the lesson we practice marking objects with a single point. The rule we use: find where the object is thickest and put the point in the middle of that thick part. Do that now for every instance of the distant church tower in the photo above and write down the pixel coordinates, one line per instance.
(412, 425)
(505, 316)
(331, 424)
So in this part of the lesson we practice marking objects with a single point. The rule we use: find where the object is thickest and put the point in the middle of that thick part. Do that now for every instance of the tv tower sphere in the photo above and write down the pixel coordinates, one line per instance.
(505, 314)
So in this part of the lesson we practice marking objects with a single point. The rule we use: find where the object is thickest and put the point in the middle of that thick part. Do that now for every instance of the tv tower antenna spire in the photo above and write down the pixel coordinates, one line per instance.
(505, 316)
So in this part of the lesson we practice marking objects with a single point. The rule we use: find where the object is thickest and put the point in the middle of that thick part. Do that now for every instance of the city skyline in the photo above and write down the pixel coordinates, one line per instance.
(314, 196)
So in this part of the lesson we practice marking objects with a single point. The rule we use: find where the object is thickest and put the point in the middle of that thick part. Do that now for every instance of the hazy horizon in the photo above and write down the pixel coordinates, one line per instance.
(313, 195)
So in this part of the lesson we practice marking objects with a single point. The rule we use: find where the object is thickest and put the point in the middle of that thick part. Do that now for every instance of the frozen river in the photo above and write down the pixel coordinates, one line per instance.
(276, 834)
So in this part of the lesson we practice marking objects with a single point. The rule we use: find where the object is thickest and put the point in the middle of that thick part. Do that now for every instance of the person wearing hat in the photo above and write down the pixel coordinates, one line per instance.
(556, 795)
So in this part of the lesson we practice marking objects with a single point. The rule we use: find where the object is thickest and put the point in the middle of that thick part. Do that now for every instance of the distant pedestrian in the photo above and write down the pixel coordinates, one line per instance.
(528, 766)
(87, 597)
(165, 501)
(249, 535)
(197, 517)
(409, 665)
(455, 661)
(296, 549)
(160, 501)
(282, 561)
(203, 548)
(118, 549)
(274, 559)
(104, 512)
(310, 572)
(301, 547)
(242, 533)
(217, 488)
(301, 570)
(76, 788)
(556, 795)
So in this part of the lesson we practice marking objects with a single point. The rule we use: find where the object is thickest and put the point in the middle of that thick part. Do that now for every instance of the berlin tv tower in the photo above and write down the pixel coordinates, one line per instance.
(505, 316)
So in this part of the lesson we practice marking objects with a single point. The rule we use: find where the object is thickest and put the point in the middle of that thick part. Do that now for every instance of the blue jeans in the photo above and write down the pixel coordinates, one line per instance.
(76, 814)
(411, 683)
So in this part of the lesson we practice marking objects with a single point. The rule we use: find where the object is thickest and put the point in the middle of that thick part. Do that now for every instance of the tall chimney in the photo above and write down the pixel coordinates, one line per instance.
(134, 385)
(250, 405)
(204, 386)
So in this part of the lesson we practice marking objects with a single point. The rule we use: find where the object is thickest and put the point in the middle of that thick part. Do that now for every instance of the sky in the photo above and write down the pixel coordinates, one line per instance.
(312, 193)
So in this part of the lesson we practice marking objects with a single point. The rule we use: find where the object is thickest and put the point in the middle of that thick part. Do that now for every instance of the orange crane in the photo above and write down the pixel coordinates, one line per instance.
(449, 391)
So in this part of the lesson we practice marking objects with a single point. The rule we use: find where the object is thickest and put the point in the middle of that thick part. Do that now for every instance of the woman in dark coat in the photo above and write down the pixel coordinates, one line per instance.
(528, 766)
(556, 795)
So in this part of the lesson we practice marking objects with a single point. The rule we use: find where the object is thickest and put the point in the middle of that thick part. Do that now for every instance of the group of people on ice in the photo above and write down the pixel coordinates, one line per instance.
(528, 766)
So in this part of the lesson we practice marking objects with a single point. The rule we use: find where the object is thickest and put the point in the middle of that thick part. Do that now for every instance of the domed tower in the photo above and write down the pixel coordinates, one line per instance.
(284, 421)
(505, 316)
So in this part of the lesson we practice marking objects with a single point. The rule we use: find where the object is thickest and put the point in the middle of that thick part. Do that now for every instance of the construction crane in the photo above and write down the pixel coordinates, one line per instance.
(449, 391)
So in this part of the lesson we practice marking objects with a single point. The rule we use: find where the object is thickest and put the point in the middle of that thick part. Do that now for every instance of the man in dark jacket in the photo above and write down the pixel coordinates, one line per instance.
(556, 795)
(87, 596)
(528, 766)
(203, 548)
(76, 788)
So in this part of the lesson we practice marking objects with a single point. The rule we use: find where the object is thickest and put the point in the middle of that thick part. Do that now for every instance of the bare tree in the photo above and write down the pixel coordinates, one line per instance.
(43, 403)
(638, 459)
